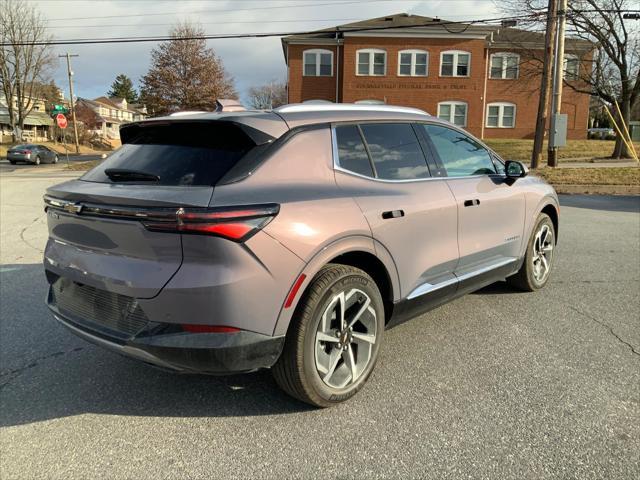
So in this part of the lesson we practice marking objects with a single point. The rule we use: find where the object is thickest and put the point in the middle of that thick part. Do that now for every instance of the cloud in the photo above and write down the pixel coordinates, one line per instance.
(249, 61)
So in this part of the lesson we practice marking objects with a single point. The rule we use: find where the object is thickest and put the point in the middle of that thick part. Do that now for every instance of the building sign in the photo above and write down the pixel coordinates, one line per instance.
(411, 86)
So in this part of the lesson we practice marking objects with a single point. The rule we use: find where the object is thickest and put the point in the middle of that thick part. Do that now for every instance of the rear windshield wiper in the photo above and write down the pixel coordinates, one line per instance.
(125, 175)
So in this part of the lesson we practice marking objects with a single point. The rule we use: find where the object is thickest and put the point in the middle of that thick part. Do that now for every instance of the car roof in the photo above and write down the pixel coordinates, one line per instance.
(301, 114)
(278, 121)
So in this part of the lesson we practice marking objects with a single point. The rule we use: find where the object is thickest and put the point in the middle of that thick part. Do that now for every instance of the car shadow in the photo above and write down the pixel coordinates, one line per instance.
(498, 288)
(47, 373)
(610, 203)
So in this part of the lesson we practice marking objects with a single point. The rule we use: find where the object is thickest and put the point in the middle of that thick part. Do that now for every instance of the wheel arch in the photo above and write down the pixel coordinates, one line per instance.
(551, 210)
(356, 251)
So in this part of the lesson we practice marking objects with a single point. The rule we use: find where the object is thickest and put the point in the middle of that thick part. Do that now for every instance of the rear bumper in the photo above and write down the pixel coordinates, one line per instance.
(208, 353)
(19, 158)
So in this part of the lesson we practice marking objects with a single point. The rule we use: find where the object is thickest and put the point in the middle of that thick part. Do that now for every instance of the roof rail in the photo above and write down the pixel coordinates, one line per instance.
(186, 112)
(345, 107)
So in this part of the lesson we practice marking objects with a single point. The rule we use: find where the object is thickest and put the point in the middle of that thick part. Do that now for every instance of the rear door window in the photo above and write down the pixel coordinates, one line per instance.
(180, 153)
(352, 154)
(460, 154)
(395, 151)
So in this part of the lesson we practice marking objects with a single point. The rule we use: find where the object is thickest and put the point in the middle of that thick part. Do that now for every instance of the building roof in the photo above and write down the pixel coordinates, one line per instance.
(517, 38)
(108, 102)
(33, 119)
(408, 25)
(399, 22)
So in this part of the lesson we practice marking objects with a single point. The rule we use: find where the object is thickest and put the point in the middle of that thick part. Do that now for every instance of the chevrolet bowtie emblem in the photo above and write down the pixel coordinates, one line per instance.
(73, 207)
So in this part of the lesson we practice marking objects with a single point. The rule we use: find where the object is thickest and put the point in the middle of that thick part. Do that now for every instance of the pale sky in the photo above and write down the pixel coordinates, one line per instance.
(249, 61)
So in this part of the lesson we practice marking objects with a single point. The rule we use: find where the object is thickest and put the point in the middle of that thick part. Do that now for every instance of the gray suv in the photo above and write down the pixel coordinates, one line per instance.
(232, 241)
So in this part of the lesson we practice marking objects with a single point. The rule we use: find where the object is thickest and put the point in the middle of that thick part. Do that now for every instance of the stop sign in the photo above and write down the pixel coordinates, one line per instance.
(61, 120)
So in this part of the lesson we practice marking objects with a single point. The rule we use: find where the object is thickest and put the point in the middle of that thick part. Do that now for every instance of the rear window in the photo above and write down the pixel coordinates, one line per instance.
(180, 153)
(24, 147)
(351, 152)
(395, 151)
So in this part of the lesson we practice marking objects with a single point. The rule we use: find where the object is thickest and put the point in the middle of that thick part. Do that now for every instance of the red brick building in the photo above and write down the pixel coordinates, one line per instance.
(483, 78)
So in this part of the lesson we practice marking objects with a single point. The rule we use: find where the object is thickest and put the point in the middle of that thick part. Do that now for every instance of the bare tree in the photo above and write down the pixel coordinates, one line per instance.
(270, 95)
(185, 74)
(23, 67)
(613, 74)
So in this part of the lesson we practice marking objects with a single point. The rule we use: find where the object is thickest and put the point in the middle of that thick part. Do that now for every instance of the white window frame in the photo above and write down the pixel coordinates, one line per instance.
(413, 52)
(452, 113)
(371, 52)
(567, 57)
(501, 106)
(316, 52)
(455, 54)
(504, 56)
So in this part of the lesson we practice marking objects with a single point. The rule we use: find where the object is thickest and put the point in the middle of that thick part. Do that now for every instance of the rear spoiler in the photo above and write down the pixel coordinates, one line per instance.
(130, 130)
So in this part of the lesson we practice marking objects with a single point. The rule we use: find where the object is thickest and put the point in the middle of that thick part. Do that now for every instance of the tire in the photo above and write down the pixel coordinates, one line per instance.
(528, 278)
(304, 370)
(37, 160)
(55, 159)
(12, 162)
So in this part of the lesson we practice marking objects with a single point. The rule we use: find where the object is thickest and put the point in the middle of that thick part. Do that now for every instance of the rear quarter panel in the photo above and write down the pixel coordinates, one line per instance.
(299, 176)
(317, 220)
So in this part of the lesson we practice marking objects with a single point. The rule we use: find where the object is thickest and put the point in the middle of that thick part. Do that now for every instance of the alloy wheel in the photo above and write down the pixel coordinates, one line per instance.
(542, 253)
(345, 338)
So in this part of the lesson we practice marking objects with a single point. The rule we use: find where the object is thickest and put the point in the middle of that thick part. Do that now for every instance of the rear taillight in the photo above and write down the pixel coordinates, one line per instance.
(234, 223)
(26, 152)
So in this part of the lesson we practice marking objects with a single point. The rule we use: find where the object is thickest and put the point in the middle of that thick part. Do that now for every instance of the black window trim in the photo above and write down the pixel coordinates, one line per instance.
(336, 159)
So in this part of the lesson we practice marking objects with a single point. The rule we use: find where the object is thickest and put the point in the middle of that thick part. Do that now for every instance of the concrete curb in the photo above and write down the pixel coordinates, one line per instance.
(598, 189)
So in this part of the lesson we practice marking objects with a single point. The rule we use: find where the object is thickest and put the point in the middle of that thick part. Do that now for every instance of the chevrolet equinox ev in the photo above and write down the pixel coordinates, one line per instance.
(287, 239)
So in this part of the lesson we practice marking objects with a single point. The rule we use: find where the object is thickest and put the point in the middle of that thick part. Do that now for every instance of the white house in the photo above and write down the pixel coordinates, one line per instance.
(104, 116)
(37, 125)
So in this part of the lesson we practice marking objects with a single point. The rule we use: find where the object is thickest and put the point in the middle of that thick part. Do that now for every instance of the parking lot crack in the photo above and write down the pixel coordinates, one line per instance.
(611, 330)
(10, 375)
(22, 232)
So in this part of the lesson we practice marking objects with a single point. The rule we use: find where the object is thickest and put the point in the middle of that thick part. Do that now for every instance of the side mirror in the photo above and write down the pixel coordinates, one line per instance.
(515, 169)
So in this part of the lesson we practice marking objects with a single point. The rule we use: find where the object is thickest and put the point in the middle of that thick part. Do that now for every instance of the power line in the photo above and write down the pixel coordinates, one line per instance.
(252, 9)
(138, 25)
(108, 40)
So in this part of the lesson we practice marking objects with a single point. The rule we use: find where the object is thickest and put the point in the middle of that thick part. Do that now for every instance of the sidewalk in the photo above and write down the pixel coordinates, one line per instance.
(597, 164)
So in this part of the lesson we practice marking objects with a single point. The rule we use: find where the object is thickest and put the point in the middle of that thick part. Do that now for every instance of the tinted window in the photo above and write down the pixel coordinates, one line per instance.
(352, 155)
(180, 153)
(395, 151)
(459, 153)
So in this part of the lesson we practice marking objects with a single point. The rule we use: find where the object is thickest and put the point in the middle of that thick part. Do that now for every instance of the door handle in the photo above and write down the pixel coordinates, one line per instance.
(472, 203)
(393, 214)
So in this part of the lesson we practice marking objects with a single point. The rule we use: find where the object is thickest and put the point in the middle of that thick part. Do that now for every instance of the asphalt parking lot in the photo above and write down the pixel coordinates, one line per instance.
(7, 167)
(498, 384)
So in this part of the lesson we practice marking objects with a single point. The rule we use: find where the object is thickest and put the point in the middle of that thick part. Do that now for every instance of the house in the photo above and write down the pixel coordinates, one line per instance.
(483, 78)
(103, 116)
(37, 125)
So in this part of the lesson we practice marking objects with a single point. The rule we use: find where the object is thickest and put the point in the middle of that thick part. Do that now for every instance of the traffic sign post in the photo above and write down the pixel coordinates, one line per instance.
(61, 121)
(59, 109)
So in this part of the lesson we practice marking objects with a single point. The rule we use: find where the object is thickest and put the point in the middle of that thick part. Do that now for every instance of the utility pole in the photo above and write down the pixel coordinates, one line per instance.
(73, 109)
(557, 82)
(545, 85)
